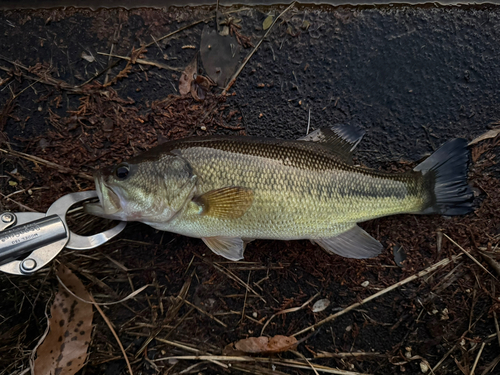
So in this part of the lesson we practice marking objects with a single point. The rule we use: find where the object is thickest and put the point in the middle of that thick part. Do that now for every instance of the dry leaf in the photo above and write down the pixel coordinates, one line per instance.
(187, 77)
(320, 305)
(219, 55)
(261, 345)
(63, 348)
(88, 57)
(488, 135)
(267, 22)
(200, 86)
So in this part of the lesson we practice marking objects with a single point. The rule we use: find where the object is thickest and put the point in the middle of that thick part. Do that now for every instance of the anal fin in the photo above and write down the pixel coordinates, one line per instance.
(354, 243)
(231, 248)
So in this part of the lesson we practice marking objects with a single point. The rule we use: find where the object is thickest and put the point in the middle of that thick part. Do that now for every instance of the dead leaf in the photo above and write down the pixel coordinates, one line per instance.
(261, 345)
(320, 305)
(187, 77)
(488, 135)
(88, 57)
(219, 55)
(63, 348)
(267, 22)
(200, 86)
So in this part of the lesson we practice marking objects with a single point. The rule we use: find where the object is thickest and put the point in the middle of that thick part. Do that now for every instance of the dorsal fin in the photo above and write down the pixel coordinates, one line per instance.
(340, 139)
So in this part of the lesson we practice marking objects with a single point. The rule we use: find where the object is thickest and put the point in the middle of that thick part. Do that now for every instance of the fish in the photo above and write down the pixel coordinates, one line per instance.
(230, 190)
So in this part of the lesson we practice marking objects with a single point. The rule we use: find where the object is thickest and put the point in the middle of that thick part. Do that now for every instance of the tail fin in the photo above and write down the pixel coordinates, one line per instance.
(445, 172)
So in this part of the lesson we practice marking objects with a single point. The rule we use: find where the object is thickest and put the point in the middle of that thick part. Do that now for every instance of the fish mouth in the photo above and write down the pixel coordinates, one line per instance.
(109, 203)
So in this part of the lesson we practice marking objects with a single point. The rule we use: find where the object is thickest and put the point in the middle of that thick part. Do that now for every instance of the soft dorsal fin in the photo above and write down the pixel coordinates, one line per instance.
(340, 139)
(225, 203)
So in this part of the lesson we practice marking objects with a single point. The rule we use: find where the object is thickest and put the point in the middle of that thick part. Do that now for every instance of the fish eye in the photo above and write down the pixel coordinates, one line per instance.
(122, 171)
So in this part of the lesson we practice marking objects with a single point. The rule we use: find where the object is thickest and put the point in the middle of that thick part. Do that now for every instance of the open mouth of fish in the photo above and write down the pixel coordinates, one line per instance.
(109, 202)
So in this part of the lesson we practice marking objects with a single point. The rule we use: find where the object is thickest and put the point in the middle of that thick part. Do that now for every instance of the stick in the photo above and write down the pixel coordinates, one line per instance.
(234, 277)
(477, 358)
(110, 326)
(281, 362)
(235, 75)
(424, 272)
(19, 204)
(36, 159)
(470, 256)
(144, 62)
(444, 357)
(206, 313)
(177, 31)
(293, 309)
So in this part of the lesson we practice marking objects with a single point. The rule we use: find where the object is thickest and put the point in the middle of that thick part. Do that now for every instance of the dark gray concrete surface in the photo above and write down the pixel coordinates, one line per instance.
(411, 76)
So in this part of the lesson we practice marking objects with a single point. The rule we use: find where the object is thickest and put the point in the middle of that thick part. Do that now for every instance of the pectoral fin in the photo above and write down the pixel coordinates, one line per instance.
(354, 243)
(229, 247)
(226, 203)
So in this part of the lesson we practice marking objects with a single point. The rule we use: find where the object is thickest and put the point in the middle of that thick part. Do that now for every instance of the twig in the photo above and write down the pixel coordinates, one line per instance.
(293, 309)
(281, 362)
(144, 62)
(470, 256)
(248, 281)
(495, 320)
(424, 272)
(47, 79)
(180, 299)
(477, 358)
(302, 356)
(308, 121)
(36, 159)
(110, 66)
(444, 357)
(110, 326)
(19, 204)
(178, 31)
(180, 346)
(26, 88)
(206, 313)
(237, 73)
(348, 355)
(234, 277)
(93, 302)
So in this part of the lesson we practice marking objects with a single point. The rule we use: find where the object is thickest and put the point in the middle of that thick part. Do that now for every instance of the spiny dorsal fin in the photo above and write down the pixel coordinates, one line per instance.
(225, 203)
(340, 139)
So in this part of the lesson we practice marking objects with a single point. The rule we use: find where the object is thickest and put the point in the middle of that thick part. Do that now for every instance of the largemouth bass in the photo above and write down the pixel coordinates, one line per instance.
(229, 190)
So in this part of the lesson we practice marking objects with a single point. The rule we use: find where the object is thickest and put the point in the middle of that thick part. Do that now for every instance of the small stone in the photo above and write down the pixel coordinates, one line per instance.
(364, 284)
(320, 305)
(423, 367)
(255, 315)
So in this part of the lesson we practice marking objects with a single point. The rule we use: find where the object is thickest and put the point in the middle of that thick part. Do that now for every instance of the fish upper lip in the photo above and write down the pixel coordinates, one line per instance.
(114, 201)
(98, 181)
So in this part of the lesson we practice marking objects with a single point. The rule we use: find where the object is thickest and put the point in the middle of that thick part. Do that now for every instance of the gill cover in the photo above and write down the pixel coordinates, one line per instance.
(148, 188)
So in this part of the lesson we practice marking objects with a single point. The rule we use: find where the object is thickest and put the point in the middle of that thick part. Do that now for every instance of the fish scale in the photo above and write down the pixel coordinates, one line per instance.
(291, 202)
(227, 189)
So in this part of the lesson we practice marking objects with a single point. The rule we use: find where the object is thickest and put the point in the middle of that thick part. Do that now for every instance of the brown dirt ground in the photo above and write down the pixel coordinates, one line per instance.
(446, 315)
